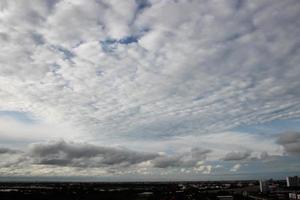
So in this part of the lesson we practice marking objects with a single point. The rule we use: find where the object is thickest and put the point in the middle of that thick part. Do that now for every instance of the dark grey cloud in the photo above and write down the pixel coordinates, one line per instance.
(169, 161)
(237, 156)
(82, 156)
(290, 142)
(4, 150)
(62, 153)
(188, 159)
(11, 157)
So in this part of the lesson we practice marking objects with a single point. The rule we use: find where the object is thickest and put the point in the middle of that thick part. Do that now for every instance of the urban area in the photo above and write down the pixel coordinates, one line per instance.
(288, 189)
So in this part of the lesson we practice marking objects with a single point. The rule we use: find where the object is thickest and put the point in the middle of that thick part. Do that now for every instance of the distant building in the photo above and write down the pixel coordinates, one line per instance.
(294, 195)
(293, 181)
(264, 186)
(225, 197)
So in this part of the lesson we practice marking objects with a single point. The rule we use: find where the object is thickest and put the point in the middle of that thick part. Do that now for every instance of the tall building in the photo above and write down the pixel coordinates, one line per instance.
(264, 186)
(293, 181)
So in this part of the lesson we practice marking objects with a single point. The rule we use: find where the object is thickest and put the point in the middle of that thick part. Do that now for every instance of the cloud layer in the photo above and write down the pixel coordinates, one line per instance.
(84, 155)
(290, 142)
(233, 156)
(220, 65)
(131, 72)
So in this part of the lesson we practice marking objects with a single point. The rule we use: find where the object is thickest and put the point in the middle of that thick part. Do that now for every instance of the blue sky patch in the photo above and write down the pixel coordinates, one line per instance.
(109, 45)
(273, 127)
(23, 117)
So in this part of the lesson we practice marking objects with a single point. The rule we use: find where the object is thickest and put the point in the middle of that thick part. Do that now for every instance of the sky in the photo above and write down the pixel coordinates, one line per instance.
(150, 89)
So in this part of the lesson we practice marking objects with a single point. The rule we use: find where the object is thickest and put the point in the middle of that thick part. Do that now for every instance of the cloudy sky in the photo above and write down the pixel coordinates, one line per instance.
(150, 89)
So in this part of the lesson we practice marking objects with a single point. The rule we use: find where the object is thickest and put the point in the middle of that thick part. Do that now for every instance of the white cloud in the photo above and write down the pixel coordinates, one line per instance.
(205, 169)
(14, 132)
(235, 167)
(201, 76)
